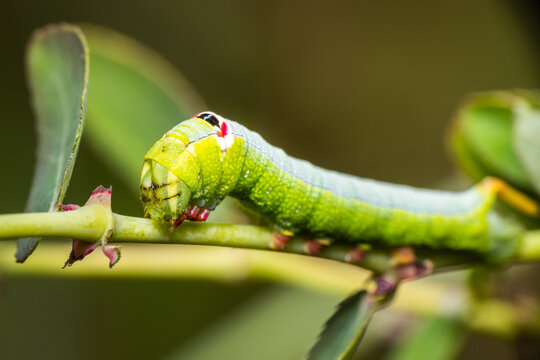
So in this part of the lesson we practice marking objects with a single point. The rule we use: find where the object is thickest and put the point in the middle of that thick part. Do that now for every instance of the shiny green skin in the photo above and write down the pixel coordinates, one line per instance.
(263, 179)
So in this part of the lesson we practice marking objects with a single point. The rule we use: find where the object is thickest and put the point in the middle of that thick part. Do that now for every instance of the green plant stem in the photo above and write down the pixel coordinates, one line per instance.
(89, 223)
(130, 229)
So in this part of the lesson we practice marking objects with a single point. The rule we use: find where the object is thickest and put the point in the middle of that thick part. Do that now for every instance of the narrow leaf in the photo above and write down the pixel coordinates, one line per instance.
(464, 154)
(482, 138)
(527, 142)
(344, 330)
(57, 68)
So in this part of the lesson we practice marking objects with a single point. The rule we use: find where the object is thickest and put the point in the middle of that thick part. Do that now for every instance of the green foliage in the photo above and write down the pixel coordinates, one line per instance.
(527, 140)
(496, 134)
(57, 66)
(344, 330)
(136, 95)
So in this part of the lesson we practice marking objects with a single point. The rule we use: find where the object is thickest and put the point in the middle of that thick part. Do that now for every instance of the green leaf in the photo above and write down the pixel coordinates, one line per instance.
(136, 97)
(527, 142)
(482, 138)
(466, 158)
(344, 330)
(57, 67)
(437, 338)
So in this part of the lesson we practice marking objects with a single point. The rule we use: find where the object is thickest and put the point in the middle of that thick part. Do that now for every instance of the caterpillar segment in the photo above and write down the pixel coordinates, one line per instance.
(199, 162)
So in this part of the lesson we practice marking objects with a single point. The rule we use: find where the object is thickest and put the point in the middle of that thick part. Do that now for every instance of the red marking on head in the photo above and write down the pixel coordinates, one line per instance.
(224, 128)
(196, 115)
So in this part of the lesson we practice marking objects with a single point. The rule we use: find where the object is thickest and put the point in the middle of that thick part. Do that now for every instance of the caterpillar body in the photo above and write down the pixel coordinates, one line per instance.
(199, 162)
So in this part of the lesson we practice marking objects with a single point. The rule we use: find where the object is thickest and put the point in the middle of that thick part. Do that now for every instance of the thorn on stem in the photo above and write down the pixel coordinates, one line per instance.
(68, 207)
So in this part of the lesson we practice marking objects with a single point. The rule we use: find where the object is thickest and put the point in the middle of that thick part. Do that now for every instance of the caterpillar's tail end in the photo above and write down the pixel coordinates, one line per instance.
(511, 196)
(165, 197)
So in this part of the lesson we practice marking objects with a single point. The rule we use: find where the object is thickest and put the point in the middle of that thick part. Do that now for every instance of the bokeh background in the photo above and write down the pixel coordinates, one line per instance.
(362, 87)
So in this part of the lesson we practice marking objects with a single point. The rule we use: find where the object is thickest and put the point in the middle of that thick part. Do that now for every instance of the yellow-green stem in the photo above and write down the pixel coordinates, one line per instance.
(89, 223)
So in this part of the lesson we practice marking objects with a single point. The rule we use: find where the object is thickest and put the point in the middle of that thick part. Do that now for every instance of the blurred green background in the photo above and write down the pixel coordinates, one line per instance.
(361, 87)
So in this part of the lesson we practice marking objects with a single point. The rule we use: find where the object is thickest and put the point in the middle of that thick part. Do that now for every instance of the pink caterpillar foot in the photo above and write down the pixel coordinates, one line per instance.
(193, 213)
(414, 270)
(280, 240)
(203, 215)
(406, 265)
(312, 247)
(355, 255)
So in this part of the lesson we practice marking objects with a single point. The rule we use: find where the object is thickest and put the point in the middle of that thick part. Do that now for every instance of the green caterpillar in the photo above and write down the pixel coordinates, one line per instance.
(199, 162)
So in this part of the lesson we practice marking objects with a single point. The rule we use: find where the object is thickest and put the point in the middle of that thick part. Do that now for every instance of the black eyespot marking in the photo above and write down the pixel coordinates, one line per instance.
(209, 118)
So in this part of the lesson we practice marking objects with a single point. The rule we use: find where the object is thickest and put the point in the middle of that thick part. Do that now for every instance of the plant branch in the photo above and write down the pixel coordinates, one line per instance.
(89, 222)
(131, 229)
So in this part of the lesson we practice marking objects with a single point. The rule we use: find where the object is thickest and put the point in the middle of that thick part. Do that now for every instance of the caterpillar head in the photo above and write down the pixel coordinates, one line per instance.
(171, 173)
